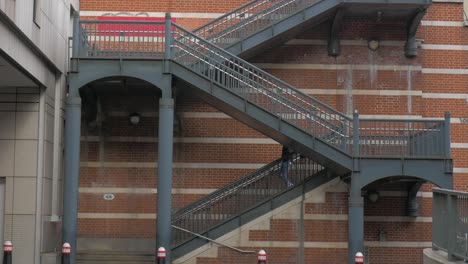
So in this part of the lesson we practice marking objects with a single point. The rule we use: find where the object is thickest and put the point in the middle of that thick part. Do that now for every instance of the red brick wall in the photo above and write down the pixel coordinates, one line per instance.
(350, 85)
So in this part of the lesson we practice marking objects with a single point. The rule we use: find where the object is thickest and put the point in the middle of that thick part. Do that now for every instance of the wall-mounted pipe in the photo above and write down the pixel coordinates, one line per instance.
(412, 202)
(411, 47)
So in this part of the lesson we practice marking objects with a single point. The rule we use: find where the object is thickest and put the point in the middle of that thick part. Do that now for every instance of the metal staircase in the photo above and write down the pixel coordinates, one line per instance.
(228, 77)
(237, 203)
(259, 99)
(330, 142)
(248, 19)
(262, 24)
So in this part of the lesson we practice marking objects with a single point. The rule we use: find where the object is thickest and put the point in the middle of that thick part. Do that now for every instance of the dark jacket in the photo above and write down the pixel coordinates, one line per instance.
(285, 154)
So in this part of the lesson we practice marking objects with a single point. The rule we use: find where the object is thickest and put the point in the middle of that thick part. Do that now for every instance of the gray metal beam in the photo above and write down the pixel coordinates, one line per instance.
(431, 170)
(72, 170)
(447, 146)
(76, 43)
(391, 2)
(165, 150)
(355, 219)
(151, 71)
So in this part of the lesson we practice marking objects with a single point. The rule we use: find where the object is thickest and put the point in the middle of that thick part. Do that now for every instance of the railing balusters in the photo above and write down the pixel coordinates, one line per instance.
(247, 19)
(397, 138)
(127, 39)
(239, 196)
(450, 223)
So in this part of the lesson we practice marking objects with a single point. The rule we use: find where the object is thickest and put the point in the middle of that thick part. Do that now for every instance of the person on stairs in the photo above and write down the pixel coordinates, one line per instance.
(285, 160)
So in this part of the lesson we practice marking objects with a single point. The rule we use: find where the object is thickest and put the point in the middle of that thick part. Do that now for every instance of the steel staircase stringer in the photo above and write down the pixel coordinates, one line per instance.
(263, 121)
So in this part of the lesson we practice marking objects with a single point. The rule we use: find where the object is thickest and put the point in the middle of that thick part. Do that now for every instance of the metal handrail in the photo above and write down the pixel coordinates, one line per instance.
(250, 71)
(214, 241)
(117, 39)
(203, 57)
(240, 196)
(321, 121)
(166, 40)
(450, 222)
(220, 193)
(448, 192)
(296, 108)
(229, 56)
(249, 19)
(247, 6)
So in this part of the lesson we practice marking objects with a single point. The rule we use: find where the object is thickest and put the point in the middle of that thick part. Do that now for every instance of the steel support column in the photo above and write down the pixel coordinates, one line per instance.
(355, 220)
(165, 149)
(72, 168)
(355, 200)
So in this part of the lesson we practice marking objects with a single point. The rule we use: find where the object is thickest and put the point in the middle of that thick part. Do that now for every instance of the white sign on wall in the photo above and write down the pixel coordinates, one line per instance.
(108, 196)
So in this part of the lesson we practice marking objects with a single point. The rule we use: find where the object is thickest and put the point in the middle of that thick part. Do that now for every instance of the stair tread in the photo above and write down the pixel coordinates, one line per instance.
(114, 256)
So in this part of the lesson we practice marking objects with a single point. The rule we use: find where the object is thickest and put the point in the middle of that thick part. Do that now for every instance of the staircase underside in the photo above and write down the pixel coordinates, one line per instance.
(290, 27)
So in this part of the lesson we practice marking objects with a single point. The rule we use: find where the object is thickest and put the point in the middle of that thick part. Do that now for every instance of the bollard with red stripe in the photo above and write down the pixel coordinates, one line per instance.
(7, 252)
(161, 257)
(66, 252)
(359, 258)
(262, 257)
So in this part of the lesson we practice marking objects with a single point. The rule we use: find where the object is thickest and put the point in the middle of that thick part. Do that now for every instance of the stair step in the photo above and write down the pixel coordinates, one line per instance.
(115, 261)
(114, 257)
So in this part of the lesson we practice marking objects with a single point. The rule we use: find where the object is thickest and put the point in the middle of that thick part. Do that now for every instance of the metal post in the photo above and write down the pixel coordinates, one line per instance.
(66, 250)
(452, 225)
(76, 34)
(7, 252)
(76, 42)
(356, 133)
(165, 150)
(344, 132)
(356, 220)
(262, 257)
(72, 169)
(161, 256)
(168, 40)
(447, 135)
